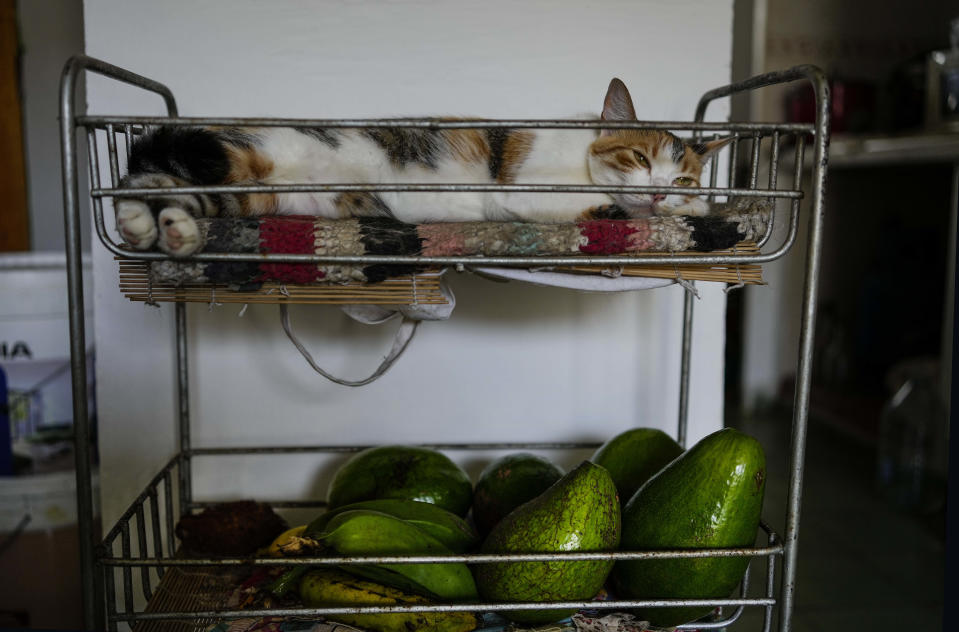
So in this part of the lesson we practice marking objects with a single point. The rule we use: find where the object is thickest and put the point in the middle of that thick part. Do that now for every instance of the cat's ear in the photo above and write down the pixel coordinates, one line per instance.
(618, 106)
(708, 149)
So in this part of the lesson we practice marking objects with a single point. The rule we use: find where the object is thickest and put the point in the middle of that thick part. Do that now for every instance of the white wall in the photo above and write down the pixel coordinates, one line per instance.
(515, 362)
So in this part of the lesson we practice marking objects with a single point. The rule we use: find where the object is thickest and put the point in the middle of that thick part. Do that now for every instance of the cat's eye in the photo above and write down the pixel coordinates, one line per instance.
(641, 159)
(684, 181)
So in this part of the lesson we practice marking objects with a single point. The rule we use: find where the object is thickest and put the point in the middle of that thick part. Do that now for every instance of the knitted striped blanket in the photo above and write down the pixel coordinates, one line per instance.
(729, 224)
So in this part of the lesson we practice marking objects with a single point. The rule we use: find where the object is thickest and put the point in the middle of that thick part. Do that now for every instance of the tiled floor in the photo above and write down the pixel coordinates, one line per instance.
(863, 565)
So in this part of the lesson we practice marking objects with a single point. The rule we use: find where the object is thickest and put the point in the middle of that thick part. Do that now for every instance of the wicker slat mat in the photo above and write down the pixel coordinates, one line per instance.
(416, 289)
(419, 290)
(749, 274)
(185, 589)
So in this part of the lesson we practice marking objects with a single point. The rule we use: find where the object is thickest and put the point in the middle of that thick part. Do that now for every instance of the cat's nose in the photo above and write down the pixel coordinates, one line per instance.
(658, 197)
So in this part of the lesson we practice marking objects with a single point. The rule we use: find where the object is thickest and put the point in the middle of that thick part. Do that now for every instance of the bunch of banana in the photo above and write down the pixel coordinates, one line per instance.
(363, 532)
(379, 528)
(455, 533)
(330, 587)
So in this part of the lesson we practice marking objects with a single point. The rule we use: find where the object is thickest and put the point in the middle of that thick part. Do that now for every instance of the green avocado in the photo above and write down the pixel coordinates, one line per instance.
(632, 457)
(709, 497)
(508, 482)
(580, 512)
(398, 471)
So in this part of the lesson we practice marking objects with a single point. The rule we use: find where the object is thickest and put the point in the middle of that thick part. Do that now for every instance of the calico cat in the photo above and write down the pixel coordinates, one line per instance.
(169, 156)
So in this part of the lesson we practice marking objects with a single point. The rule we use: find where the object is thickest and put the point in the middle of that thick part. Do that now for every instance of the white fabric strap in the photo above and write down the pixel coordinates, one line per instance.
(400, 341)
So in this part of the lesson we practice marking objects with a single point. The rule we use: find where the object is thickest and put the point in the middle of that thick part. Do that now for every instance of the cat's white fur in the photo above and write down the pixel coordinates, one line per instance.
(557, 157)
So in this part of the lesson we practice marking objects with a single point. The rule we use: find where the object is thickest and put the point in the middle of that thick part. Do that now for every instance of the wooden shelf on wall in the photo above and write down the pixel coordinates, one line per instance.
(14, 227)
(855, 150)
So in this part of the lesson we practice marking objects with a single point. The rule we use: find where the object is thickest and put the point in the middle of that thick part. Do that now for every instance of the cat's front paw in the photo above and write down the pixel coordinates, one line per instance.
(135, 223)
(605, 211)
(696, 207)
(179, 233)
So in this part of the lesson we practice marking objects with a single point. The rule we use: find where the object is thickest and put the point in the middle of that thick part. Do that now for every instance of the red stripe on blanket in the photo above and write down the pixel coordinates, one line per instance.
(607, 236)
(288, 235)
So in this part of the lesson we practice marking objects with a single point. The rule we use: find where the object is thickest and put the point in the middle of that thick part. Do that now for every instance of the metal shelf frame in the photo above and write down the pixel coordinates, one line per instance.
(151, 517)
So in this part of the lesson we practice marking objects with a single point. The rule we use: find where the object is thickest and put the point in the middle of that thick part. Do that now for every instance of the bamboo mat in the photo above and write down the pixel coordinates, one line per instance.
(409, 290)
(748, 273)
(185, 589)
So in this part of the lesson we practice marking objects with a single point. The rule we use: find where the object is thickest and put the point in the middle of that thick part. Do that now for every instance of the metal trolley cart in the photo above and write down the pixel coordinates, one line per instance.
(139, 553)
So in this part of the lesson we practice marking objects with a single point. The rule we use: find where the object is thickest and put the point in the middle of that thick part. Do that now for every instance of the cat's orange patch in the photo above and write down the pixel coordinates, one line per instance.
(691, 162)
(624, 160)
(468, 145)
(248, 166)
(515, 150)
(618, 150)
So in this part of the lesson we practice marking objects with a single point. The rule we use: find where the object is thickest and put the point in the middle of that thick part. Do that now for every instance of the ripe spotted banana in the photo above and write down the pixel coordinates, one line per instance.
(329, 587)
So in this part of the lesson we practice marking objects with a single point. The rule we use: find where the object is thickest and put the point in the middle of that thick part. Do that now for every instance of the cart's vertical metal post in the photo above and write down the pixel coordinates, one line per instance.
(808, 316)
(684, 366)
(92, 596)
(807, 327)
(184, 472)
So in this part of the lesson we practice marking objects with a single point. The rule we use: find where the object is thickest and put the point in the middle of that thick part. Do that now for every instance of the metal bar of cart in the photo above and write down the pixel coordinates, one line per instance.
(806, 335)
(732, 618)
(168, 511)
(286, 449)
(773, 180)
(817, 78)
(754, 161)
(155, 526)
(92, 597)
(109, 581)
(126, 572)
(733, 159)
(164, 476)
(713, 175)
(124, 564)
(142, 550)
(114, 160)
(663, 259)
(448, 607)
(99, 193)
(184, 472)
(466, 558)
(685, 363)
(433, 187)
(770, 583)
(182, 461)
(427, 123)
(773, 547)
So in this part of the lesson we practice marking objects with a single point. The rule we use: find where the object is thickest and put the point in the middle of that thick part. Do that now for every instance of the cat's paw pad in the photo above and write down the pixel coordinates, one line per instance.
(179, 234)
(135, 223)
